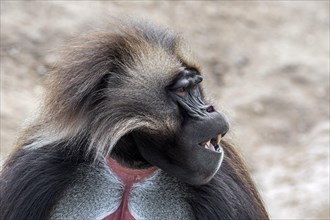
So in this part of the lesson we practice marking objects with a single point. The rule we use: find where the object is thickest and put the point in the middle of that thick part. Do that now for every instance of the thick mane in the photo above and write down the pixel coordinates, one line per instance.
(90, 67)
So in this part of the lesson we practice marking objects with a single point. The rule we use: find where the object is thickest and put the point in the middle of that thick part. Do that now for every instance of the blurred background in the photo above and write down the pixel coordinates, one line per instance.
(266, 65)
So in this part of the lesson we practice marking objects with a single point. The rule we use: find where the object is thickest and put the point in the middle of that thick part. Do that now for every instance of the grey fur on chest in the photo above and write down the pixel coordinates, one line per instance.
(96, 193)
(159, 197)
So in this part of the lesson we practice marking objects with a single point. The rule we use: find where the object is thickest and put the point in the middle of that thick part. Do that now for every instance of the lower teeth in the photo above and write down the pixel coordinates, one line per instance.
(218, 148)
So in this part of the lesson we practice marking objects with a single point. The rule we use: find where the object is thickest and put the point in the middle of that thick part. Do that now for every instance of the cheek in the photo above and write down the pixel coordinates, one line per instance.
(171, 112)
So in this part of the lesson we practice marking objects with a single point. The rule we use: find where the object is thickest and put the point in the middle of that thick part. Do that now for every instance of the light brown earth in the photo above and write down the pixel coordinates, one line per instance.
(266, 64)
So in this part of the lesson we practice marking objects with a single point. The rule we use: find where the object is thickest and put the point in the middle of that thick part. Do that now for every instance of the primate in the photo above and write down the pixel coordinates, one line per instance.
(125, 132)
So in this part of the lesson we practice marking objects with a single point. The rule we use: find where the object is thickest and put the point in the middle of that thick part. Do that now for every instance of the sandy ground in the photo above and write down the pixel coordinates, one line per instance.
(266, 64)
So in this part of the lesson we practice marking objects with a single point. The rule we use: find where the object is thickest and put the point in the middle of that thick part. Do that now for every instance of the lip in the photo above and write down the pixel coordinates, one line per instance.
(211, 158)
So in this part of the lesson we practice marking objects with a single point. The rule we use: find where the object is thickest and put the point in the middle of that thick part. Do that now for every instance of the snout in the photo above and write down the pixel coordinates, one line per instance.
(217, 120)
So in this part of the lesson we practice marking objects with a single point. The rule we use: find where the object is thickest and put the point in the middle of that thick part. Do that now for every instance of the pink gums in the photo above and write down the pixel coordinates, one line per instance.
(128, 177)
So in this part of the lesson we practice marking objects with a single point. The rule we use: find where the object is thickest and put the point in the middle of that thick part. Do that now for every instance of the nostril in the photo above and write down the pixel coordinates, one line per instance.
(222, 135)
(210, 109)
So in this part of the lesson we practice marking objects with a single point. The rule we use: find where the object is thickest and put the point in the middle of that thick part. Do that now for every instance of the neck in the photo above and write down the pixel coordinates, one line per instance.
(128, 174)
(126, 153)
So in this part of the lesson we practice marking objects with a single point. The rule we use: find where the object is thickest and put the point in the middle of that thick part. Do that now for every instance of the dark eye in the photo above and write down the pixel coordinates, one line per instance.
(181, 91)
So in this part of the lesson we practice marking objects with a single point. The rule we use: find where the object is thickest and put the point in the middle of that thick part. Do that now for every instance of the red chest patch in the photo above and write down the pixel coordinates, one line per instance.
(128, 177)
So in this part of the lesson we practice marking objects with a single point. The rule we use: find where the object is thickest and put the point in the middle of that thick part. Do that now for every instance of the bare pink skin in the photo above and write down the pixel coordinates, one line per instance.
(128, 177)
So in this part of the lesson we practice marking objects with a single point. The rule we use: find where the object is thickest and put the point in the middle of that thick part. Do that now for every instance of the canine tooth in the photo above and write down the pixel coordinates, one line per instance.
(208, 143)
(218, 139)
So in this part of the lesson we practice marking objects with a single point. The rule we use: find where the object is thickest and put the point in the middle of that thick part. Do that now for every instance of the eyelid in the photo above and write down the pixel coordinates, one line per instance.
(185, 81)
(180, 84)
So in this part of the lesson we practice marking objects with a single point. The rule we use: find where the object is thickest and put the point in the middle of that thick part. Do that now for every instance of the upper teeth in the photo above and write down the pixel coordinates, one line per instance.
(219, 139)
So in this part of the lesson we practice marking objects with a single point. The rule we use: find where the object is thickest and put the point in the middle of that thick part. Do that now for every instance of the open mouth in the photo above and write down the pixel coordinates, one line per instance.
(213, 144)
